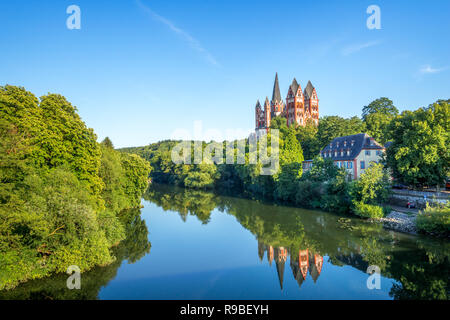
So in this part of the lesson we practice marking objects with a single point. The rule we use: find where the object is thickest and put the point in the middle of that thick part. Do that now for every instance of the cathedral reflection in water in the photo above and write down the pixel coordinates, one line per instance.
(301, 262)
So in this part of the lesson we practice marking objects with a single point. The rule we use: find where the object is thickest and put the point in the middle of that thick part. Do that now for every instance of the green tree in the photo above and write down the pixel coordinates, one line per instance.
(309, 141)
(381, 105)
(419, 155)
(54, 208)
(107, 143)
(373, 186)
(377, 116)
(291, 159)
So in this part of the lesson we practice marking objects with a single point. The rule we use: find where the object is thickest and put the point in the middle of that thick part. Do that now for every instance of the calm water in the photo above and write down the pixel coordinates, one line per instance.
(188, 244)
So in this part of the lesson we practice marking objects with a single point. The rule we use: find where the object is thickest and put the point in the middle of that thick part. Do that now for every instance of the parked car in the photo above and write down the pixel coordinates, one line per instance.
(447, 184)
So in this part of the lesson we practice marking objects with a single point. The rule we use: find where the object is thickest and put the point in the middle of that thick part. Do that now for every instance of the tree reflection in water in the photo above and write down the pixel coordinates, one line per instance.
(133, 248)
(308, 238)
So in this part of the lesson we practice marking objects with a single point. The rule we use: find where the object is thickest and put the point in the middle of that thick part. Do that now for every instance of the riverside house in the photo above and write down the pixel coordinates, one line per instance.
(354, 153)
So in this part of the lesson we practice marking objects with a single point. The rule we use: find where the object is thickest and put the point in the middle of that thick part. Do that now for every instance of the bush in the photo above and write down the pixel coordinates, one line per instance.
(434, 220)
(308, 194)
(367, 210)
(373, 186)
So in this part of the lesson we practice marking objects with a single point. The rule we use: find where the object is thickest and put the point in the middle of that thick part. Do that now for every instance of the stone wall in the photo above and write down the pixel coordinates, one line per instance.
(402, 197)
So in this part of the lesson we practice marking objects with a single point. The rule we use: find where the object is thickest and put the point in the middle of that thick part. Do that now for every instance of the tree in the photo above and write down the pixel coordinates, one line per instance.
(107, 143)
(203, 177)
(382, 106)
(373, 186)
(280, 123)
(419, 154)
(291, 159)
(52, 195)
(307, 136)
(370, 191)
(377, 116)
(323, 169)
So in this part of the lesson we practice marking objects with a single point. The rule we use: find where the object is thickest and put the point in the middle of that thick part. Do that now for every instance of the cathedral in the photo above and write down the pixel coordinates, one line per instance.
(300, 107)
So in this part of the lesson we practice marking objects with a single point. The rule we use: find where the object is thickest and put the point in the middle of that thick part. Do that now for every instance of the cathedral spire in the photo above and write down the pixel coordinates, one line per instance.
(276, 96)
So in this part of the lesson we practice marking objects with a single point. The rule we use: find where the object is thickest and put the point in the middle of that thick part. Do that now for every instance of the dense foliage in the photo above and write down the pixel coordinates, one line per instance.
(325, 186)
(419, 154)
(377, 116)
(60, 190)
(435, 220)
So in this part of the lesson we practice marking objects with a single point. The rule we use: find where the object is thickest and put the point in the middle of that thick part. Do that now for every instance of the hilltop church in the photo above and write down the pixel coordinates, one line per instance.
(301, 106)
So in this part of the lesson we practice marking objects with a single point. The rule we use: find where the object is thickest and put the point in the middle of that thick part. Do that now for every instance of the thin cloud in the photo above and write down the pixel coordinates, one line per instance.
(427, 69)
(358, 47)
(194, 43)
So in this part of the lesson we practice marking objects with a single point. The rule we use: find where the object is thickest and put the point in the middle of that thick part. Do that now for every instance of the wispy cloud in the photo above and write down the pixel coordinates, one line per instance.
(358, 47)
(427, 69)
(318, 51)
(194, 43)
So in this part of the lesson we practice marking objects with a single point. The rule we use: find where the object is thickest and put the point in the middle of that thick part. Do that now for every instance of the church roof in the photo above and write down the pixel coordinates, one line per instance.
(294, 86)
(280, 271)
(276, 95)
(258, 105)
(308, 90)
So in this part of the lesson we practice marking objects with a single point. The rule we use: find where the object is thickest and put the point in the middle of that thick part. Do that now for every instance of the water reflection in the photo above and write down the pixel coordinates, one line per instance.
(309, 243)
(132, 249)
(301, 263)
(419, 266)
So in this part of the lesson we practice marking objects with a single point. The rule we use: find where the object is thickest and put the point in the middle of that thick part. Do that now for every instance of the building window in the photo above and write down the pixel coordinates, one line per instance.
(363, 165)
(348, 152)
(349, 165)
(378, 153)
(367, 152)
(345, 143)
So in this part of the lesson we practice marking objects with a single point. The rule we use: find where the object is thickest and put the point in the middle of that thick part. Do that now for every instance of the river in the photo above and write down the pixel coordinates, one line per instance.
(187, 244)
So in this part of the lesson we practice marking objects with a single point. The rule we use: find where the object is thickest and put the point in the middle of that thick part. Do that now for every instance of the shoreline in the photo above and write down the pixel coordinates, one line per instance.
(400, 222)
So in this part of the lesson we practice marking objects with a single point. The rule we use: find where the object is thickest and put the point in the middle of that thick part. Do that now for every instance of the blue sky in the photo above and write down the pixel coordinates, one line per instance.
(139, 70)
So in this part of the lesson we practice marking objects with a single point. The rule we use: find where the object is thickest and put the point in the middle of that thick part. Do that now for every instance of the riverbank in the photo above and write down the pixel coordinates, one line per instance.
(400, 222)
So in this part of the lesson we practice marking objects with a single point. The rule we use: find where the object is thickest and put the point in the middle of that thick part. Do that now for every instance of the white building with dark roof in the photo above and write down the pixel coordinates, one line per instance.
(354, 153)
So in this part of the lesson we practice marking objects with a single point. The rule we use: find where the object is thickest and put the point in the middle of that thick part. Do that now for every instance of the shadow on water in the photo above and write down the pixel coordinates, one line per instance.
(285, 235)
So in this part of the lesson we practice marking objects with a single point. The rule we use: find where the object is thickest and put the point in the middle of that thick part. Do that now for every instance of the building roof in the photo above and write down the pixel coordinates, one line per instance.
(258, 105)
(276, 96)
(294, 86)
(355, 143)
(308, 90)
